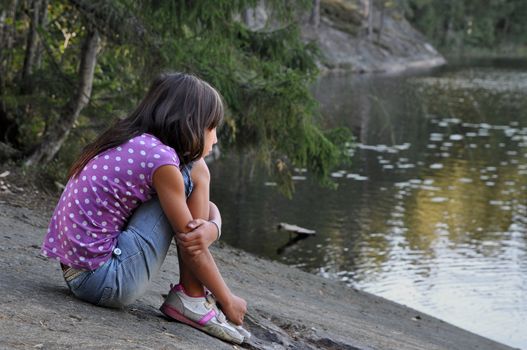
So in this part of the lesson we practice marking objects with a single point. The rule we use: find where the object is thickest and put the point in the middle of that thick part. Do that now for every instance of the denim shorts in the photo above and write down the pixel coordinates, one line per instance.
(141, 249)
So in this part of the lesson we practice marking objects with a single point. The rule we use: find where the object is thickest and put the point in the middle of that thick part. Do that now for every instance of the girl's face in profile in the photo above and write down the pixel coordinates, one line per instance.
(210, 140)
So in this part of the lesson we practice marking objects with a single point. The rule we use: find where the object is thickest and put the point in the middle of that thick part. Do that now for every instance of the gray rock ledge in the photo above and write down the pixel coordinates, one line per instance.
(288, 308)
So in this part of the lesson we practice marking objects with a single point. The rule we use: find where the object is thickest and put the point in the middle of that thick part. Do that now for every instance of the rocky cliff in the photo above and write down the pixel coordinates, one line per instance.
(348, 43)
(355, 36)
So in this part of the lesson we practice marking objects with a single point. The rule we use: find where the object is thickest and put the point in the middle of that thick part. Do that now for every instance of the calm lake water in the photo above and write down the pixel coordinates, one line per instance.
(432, 212)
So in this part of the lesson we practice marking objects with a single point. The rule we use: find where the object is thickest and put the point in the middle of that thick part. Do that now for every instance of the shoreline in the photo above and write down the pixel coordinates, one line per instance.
(288, 308)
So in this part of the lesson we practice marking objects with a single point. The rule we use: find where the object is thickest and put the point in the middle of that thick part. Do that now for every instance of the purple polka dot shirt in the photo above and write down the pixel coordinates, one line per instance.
(97, 204)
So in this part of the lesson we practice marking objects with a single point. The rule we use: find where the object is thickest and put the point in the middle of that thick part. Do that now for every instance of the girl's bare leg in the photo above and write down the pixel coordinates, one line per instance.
(198, 204)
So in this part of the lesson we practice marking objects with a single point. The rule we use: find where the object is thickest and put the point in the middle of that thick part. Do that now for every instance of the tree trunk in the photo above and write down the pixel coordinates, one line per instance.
(381, 24)
(7, 39)
(314, 20)
(31, 47)
(57, 132)
(43, 22)
(370, 20)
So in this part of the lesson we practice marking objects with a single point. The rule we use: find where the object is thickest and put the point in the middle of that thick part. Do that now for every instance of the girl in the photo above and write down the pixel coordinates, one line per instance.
(131, 189)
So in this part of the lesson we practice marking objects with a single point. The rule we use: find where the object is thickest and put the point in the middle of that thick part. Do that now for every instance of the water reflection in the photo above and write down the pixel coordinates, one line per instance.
(432, 213)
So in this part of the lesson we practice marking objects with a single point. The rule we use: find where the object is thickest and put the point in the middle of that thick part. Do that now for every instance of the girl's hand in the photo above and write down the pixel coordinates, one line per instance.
(200, 238)
(235, 309)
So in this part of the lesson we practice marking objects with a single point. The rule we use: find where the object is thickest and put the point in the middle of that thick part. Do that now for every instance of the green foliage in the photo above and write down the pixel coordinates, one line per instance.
(458, 24)
(264, 76)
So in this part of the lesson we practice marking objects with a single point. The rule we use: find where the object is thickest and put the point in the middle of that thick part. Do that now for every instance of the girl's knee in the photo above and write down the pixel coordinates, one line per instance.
(200, 173)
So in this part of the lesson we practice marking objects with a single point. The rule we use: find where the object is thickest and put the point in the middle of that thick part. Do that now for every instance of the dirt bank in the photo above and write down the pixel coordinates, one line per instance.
(288, 308)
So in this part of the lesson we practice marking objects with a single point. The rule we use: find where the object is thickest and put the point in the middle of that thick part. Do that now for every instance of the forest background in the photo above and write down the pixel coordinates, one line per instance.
(68, 69)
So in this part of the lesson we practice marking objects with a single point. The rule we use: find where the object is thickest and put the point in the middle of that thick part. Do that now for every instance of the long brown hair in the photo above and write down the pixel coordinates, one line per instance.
(177, 109)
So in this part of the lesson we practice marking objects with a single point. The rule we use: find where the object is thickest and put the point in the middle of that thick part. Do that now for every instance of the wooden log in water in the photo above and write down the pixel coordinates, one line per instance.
(295, 229)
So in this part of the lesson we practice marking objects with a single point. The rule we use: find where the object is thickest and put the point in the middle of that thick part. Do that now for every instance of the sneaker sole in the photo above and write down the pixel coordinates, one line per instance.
(173, 313)
(176, 315)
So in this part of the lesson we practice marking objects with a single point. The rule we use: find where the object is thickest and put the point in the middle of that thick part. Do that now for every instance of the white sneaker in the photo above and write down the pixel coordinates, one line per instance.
(201, 313)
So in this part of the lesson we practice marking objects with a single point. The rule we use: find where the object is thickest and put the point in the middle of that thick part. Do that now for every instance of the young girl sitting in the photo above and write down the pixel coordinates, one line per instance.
(136, 187)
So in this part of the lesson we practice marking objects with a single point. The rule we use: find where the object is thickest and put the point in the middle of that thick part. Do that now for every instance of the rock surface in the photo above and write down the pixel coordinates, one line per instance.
(288, 308)
(344, 40)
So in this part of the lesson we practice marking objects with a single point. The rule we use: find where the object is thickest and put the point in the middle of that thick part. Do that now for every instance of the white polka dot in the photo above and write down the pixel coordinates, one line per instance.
(129, 172)
(54, 250)
(66, 228)
(105, 177)
(94, 189)
(85, 189)
(76, 191)
(117, 168)
(101, 248)
(116, 180)
(94, 166)
(150, 165)
(142, 142)
(162, 150)
(117, 204)
(142, 176)
(128, 183)
(157, 156)
(87, 201)
(99, 213)
(141, 190)
(118, 158)
(81, 258)
(90, 213)
(84, 178)
(130, 150)
(77, 201)
(105, 167)
(94, 178)
(104, 230)
(85, 223)
(105, 203)
(78, 236)
(128, 193)
(104, 223)
(94, 235)
(143, 153)
(70, 252)
(106, 157)
(105, 189)
(51, 239)
(130, 160)
(143, 164)
(74, 225)
(119, 149)
(69, 205)
(71, 215)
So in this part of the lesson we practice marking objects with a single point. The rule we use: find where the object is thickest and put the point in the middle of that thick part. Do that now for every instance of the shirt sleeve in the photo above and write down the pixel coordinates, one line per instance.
(159, 156)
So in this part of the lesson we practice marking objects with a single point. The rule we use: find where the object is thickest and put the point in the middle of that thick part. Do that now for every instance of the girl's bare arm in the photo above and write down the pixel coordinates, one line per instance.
(170, 188)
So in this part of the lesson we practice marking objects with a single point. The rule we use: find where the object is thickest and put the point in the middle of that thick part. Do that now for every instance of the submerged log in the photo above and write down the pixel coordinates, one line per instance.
(295, 229)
